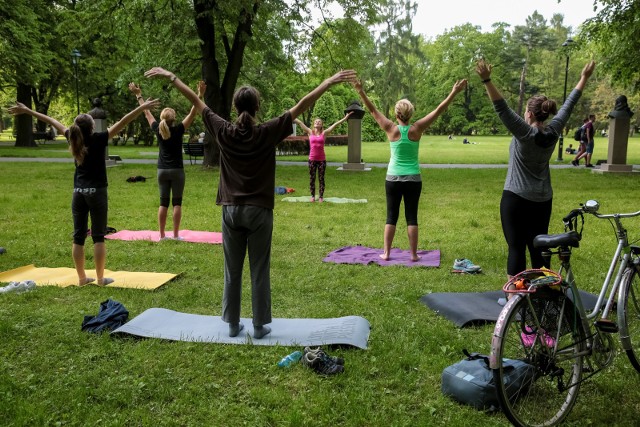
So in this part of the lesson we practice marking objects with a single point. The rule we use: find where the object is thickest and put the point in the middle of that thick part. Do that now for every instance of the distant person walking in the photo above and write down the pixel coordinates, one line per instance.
(171, 177)
(403, 179)
(583, 143)
(246, 191)
(89, 182)
(525, 207)
(589, 143)
(317, 157)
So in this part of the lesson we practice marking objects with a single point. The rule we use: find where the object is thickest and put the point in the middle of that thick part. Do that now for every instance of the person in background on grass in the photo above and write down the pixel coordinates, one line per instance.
(89, 182)
(246, 191)
(525, 207)
(403, 174)
(171, 178)
(317, 157)
(588, 142)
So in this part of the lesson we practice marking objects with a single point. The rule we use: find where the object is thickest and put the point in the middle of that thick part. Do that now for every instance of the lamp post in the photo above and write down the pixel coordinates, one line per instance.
(75, 59)
(566, 75)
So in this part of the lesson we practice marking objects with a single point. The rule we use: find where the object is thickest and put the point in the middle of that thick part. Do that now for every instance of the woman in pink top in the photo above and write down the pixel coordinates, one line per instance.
(317, 158)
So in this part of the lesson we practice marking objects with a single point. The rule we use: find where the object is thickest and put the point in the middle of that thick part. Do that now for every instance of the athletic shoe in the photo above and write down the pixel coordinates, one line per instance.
(321, 363)
(574, 163)
(465, 266)
(318, 350)
(590, 166)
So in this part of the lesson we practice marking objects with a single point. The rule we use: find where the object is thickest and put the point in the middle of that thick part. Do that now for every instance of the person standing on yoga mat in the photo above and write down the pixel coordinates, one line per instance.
(403, 174)
(317, 157)
(245, 191)
(171, 178)
(525, 207)
(89, 182)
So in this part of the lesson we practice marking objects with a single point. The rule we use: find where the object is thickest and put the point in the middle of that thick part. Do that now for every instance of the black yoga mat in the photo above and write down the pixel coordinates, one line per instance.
(477, 308)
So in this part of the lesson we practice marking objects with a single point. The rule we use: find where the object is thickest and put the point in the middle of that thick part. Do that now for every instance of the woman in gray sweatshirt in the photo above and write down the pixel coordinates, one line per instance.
(525, 207)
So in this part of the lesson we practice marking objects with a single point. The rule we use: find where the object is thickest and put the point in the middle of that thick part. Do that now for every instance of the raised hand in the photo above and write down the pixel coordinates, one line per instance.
(483, 69)
(135, 89)
(343, 76)
(158, 72)
(17, 109)
(459, 86)
(150, 104)
(588, 69)
(202, 87)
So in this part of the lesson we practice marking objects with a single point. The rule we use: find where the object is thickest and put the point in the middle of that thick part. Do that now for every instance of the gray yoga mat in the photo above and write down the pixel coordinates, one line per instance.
(477, 308)
(173, 325)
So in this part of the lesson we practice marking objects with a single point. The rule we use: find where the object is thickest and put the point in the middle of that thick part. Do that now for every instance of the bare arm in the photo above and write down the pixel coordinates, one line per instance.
(330, 129)
(303, 126)
(138, 93)
(129, 117)
(20, 108)
(308, 100)
(384, 123)
(420, 125)
(183, 88)
(188, 121)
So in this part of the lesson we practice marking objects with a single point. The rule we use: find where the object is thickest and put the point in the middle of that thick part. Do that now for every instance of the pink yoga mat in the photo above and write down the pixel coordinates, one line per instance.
(154, 236)
(364, 255)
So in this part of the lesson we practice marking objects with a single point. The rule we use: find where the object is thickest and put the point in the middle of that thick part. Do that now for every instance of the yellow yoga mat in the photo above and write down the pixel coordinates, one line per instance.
(64, 276)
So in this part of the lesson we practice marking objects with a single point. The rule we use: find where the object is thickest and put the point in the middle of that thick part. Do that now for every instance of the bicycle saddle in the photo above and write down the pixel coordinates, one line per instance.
(571, 238)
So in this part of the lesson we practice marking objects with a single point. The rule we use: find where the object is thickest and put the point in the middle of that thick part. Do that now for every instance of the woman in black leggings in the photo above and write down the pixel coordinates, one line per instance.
(525, 208)
(89, 182)
(171, 178)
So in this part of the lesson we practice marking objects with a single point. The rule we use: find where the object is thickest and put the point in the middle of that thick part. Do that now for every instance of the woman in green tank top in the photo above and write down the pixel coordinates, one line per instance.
(403, 174)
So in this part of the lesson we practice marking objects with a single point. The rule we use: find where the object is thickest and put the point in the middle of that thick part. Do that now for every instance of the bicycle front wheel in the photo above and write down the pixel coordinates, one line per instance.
(630, 320)
(544, 330)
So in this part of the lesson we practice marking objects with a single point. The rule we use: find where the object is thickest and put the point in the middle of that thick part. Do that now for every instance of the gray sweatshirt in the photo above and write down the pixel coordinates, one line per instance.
(531, 148)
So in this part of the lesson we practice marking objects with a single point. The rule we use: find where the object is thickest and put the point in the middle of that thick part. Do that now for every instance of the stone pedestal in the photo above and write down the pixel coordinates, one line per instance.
(619, 120)
(354, 139)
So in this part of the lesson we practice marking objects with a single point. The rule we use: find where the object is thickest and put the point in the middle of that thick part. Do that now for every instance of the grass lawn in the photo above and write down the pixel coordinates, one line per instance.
(434, 149)
(51, 373)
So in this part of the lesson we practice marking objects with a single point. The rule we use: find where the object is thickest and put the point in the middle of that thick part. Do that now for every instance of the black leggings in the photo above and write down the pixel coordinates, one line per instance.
(396, 191)
(85, 202)
(320, 166)
(522, 220)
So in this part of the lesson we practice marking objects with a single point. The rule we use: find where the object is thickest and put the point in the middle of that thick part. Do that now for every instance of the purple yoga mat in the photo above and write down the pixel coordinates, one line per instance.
(364, 255)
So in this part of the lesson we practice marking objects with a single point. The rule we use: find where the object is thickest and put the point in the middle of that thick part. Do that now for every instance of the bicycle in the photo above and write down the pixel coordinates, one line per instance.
(544, 323)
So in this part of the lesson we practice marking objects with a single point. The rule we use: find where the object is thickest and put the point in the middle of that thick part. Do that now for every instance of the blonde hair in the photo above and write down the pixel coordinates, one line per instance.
(404, 110)
(167, 117)
(82, 125)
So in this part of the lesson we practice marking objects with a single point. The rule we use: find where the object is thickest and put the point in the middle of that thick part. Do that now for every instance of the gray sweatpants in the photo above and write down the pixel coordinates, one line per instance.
(247, 227)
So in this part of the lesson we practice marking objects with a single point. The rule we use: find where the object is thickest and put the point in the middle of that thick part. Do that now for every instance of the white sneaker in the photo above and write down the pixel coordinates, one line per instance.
(18, 287)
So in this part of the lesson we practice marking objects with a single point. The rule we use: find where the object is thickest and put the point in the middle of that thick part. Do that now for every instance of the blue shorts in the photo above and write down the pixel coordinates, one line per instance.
(590, 145)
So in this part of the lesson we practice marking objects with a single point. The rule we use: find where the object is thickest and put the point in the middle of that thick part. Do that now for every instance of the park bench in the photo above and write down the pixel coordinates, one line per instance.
(43, 136)
(194, 150)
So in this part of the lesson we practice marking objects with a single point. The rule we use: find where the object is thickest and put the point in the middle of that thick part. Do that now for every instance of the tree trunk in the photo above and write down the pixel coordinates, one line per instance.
(220, 89)
(521, 90)
(24, 122)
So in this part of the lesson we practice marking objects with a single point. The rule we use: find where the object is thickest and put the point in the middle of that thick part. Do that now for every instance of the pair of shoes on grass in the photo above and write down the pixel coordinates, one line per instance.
(315, 358)
(24, 286)
(464, 265)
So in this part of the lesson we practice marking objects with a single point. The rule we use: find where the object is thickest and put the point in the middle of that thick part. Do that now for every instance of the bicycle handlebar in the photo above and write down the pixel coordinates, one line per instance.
(591, 207)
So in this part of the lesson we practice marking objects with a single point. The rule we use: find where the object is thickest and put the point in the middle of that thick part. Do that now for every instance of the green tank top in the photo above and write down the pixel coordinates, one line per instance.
(404, 155)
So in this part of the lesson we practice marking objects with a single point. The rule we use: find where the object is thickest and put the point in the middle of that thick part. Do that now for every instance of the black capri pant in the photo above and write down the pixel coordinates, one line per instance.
(410, 192)
(85, 202)
(522, 220)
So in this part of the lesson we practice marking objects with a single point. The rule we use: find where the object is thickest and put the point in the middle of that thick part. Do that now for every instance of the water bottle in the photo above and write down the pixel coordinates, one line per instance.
(290, 359)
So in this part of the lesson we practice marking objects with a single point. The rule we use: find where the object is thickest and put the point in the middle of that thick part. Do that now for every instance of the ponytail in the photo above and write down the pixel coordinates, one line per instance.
(246, 101)
(82, 125)
(168, 117)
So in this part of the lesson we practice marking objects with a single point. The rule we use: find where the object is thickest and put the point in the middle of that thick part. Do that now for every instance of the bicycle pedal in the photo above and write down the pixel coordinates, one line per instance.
(607, 326)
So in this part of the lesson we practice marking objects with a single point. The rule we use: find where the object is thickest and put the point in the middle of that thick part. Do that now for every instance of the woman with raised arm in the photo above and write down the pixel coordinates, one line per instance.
(89, 182)
(171, 177)
(525, 207)
(246, 191)
(403, 174)
(317, 157)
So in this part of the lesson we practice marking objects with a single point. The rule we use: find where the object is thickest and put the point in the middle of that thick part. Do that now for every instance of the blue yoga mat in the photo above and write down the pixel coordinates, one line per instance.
(173, 325)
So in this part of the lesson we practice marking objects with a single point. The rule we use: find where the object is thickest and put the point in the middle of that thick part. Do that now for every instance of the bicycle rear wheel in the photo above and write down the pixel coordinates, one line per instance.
(546, 331)
(630, 321)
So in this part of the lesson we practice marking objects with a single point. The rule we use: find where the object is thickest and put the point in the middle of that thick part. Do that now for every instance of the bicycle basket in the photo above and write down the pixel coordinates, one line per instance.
(528, 281)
